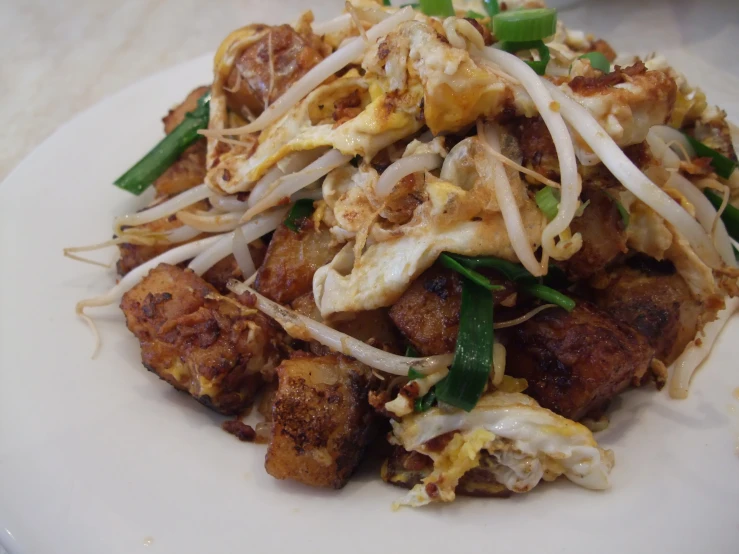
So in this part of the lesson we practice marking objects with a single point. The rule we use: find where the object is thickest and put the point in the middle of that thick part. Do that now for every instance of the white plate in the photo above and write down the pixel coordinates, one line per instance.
(103, 457)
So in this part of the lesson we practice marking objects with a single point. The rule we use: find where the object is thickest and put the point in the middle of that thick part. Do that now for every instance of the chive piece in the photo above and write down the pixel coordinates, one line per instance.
(411, 352)
(736, 253)
(472, 14)
(387, 3)
(722, 165)
(414, 5)
(492, 7)
(511, 271)
(442, 8)
(598, 61)
(548, 201)
(539, 66)
(525, 25)
(302, 209)
(450, 263)
(413, 374)
(137, 179)
(425, 402)
(625, 216)
(473, 355)
(550, 295)
(730, 215)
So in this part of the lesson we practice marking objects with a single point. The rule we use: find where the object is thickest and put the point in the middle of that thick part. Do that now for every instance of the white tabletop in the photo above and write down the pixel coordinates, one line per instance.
(58, 57)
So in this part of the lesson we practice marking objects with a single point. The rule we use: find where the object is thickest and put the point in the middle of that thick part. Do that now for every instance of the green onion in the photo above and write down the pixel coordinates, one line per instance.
(730, 215)
(539, 66)
(722, 165)
(518, 274)
(473, 355)
(471, 14)
(302, 209)
(548, 201)
(550, 296)
(736, 253)
(625, 216)
(449, 262)
(386, 3)
(511, 271)
(414, 5)
(137, 179)
(411, 352)
(525, 25)
(413, 374)
(442, 8)
(491, 6)
(598, 61)
(425, 402)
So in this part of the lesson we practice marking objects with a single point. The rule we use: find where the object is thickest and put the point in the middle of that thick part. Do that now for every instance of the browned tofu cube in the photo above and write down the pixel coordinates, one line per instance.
(371, 326)
(267, 67)
(189, 168)
(198, 341)
(653, 299)
(292, 259)
(575, 362)
(428, 312)
(603, 235)
(322, 421)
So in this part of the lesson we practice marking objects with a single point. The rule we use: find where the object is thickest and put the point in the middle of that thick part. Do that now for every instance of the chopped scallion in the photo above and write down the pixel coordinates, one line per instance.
(491, 6)
(473, 355)
(387, 3)
(302, 209)
(548, 201)
(471, 14)
(425, 402)
(549, 295)
(449, 262)
(722, 165)
(525, 25)
(539, 66)
(518, 274)
(598, 61)
(137, 179)
(441, 8)
(511, 271)
(625, 216)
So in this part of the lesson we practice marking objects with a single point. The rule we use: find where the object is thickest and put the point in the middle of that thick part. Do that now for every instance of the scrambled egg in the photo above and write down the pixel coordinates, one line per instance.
(456, 89)
(526, 443)
(461, 217)
(384, 119)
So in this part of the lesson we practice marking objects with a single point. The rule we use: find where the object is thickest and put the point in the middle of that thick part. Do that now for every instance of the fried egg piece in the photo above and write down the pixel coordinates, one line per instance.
(524, 444)
(456, 89)
(384, 119)
(462, 217)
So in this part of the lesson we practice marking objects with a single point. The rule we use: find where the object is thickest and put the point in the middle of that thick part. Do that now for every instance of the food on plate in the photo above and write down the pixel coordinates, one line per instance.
(449, 234)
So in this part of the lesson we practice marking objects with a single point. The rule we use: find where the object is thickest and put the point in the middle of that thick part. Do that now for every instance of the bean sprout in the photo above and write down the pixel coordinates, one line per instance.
(304, 328)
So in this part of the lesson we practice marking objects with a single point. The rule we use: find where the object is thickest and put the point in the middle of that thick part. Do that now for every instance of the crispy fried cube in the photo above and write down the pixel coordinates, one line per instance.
(322, 420)
(575, 362)
(292, 259)
(653, 299)
(199, 341)
(371, 326)
(267, 67)
(428, 312)
(189, 169)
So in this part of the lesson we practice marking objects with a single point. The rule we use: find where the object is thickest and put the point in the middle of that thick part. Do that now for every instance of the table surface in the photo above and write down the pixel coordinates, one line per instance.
(58, 57)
